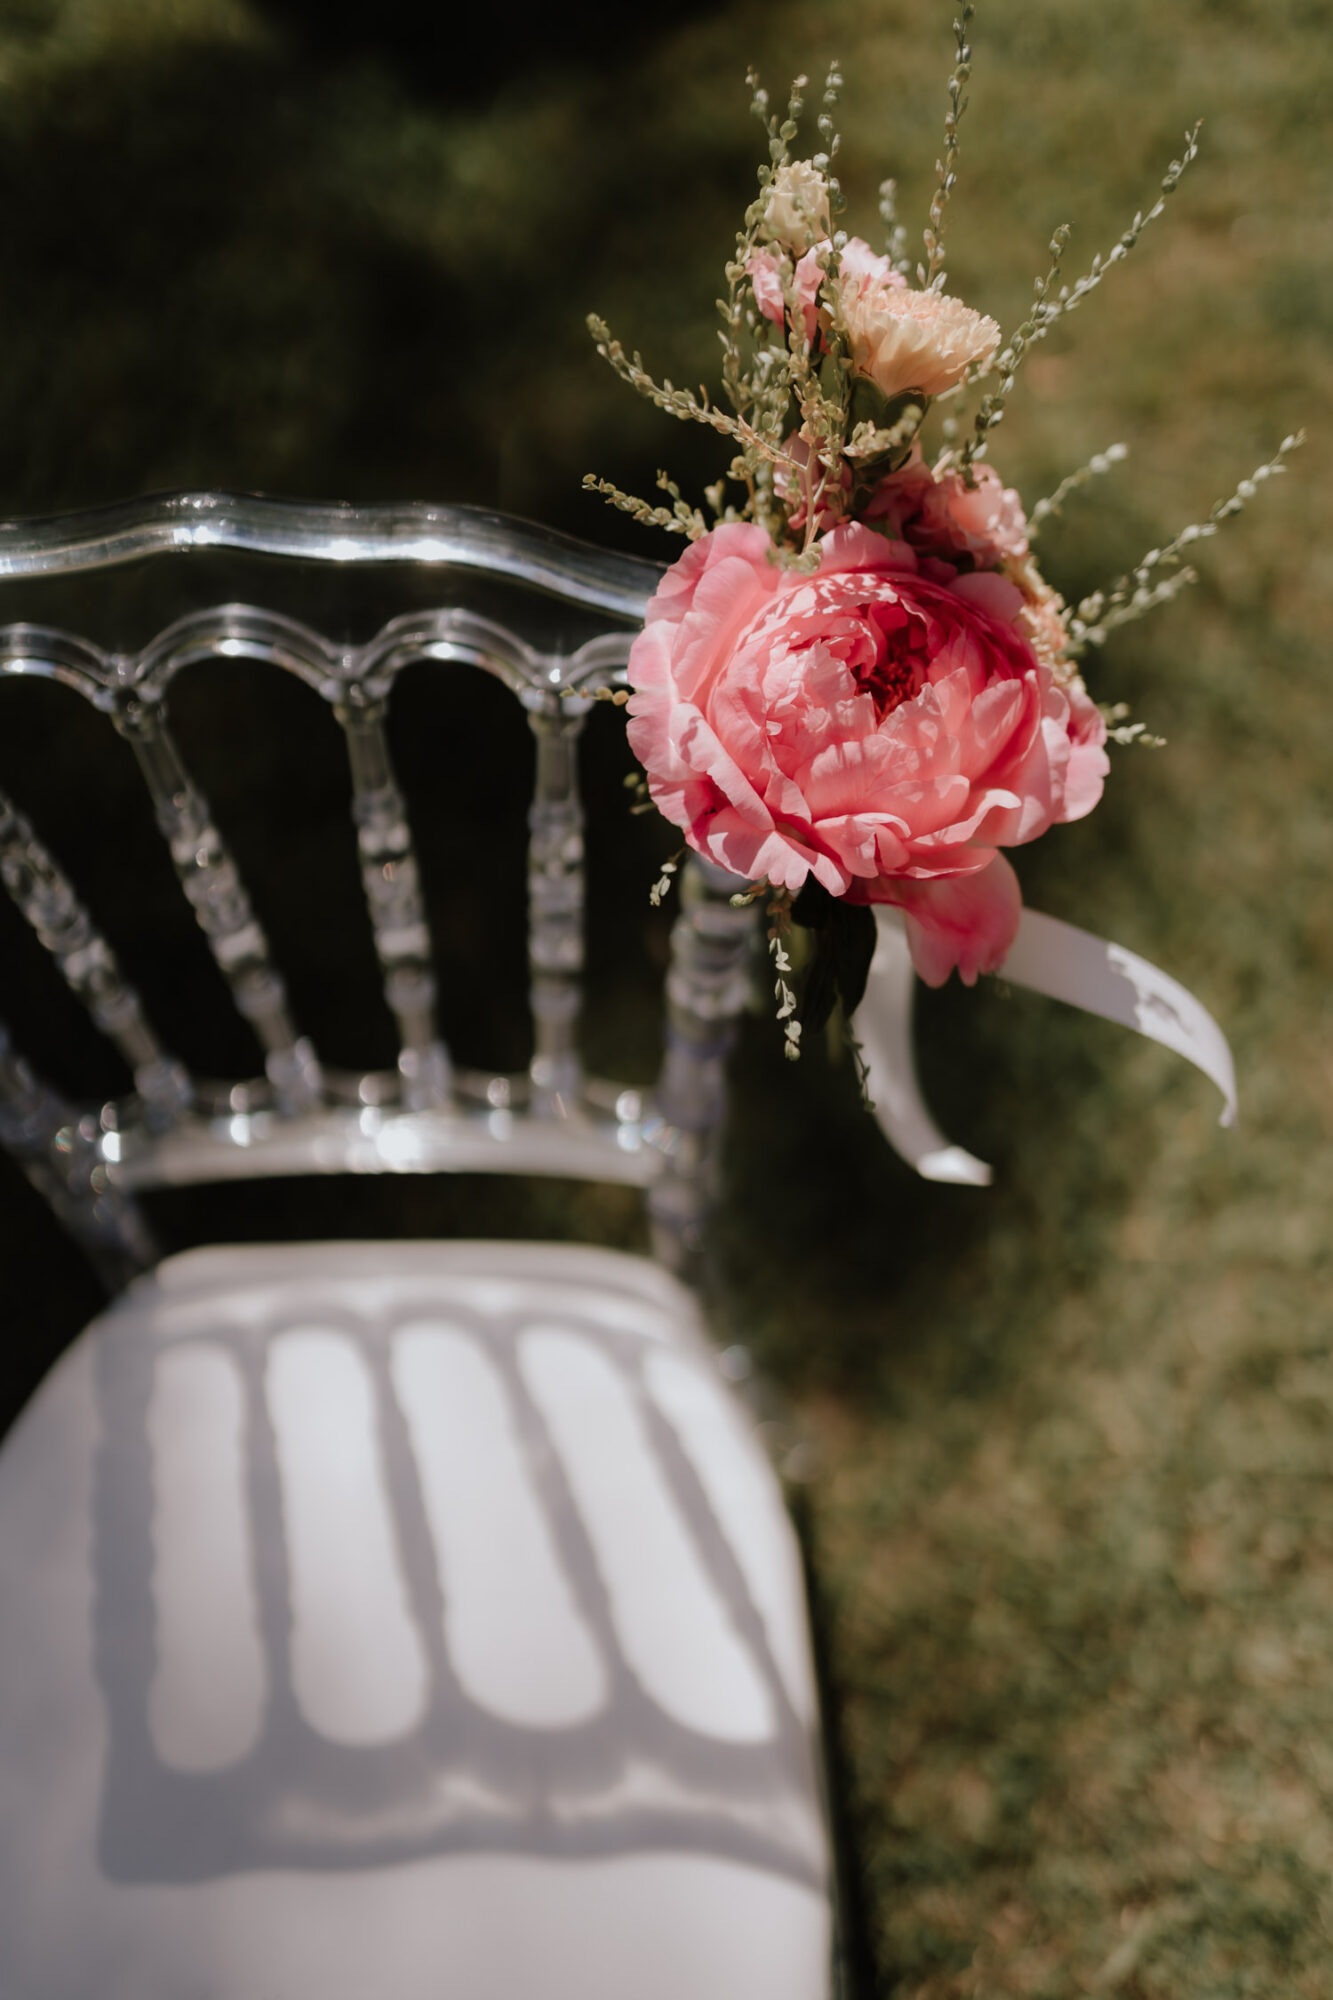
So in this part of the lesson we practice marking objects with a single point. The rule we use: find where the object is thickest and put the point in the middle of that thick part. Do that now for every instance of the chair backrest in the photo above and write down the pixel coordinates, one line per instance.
(568, 640)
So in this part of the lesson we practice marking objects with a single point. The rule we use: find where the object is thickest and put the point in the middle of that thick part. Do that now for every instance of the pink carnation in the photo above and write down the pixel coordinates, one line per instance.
(1043, 627)
(883, 730)
(859, 261)
(945, 516)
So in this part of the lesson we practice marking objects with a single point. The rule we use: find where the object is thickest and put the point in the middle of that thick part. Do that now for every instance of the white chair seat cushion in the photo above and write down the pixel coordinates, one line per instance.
(393, 1621)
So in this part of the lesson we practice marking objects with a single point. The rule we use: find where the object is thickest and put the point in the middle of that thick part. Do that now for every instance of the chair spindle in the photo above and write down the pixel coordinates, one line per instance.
(707, 988)
(47, 900)
(217, 895)
(555, 907)
(392, 883)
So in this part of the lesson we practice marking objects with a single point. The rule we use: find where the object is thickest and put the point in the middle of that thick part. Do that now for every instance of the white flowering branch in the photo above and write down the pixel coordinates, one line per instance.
(1139, 591)
(1050, 309)
(760, 441)
(1050, 306)
(1074, 295)
(1118, 730)
(1122, 605)
(681, 403)
(865, 442)
(779, 915)
(679, 519)
(829, 136)
(932, 276)
(780, 132)
(667, 874)
(1010, 359)
(895, 235)
(1100, 463)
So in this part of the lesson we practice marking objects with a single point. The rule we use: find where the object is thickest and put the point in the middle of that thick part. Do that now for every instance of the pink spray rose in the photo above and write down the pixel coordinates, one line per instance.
(880, 724)
(790, 489)
(765, 271)
(944, 516)
(858, 261)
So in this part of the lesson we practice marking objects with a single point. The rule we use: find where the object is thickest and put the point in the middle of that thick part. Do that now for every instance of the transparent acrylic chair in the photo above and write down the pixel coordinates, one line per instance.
(390, 1619)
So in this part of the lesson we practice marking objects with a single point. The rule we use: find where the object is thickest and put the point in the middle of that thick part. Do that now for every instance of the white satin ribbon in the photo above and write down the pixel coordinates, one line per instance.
(1052, 958)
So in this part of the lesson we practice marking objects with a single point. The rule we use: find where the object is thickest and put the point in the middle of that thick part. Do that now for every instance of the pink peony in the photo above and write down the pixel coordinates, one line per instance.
(882, 729)
(944, 516)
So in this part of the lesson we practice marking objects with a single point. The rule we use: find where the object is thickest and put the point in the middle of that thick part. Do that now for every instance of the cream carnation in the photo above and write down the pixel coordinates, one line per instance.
(903, 339)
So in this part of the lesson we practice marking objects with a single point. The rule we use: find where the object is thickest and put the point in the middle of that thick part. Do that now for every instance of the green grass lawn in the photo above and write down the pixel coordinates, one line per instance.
(1073, 1526)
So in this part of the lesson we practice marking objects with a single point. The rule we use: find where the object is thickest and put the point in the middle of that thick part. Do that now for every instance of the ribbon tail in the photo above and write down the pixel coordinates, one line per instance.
(883, 1028)
(1103, 978)
(1050, 957)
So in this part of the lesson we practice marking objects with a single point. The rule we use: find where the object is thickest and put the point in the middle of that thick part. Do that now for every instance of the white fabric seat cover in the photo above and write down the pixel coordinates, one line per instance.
(402, 1622)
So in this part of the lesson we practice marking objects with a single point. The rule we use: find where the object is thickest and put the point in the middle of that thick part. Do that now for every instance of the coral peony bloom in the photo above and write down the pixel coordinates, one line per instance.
(880, 728)
(903, 339)
(944, 516)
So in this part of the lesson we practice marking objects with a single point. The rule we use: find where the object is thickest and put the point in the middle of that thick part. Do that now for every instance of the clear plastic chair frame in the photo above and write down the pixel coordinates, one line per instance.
(392, 1619)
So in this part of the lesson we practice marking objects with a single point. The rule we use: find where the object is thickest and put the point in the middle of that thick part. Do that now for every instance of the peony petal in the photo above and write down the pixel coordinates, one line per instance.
(1088, 762)
(675, 592)
(1088, 767)
(853, 546)
(780, 856)
(867, 845)
(967, 922)
(993, 594)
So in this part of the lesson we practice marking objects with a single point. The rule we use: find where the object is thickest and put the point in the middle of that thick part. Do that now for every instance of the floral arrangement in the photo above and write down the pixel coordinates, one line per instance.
(855, 687)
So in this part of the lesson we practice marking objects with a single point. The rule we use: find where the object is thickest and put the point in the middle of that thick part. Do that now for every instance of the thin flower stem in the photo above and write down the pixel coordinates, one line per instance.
(1101, 462)
(932, 277)
(1136, 592)
(1010, 360)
